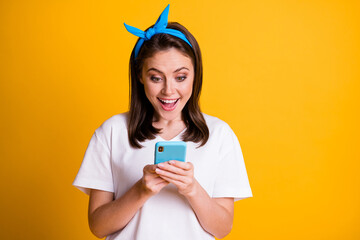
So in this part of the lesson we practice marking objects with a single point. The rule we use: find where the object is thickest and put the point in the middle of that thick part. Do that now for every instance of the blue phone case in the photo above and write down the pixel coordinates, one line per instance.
(170, 150)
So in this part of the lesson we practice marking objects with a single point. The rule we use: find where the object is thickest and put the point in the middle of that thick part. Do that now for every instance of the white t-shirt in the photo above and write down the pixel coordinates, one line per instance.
(111, 164)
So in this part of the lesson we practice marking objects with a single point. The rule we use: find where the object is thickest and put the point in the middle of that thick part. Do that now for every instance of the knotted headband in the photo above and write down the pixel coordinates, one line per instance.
(159, 27)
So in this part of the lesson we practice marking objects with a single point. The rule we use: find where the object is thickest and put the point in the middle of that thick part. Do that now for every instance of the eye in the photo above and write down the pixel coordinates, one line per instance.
(180, 78)
(155, 79)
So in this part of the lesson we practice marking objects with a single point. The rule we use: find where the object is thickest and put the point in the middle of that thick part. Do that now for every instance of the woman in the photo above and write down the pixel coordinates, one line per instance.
(130, 197)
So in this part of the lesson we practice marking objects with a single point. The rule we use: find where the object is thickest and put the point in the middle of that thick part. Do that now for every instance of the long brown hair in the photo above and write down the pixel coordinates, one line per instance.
(141, 112)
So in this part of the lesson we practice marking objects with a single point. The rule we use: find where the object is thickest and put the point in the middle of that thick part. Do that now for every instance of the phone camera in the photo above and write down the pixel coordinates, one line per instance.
(161, 149)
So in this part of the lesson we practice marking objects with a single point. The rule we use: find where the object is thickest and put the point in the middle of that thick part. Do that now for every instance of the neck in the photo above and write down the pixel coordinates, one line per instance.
(160, 122)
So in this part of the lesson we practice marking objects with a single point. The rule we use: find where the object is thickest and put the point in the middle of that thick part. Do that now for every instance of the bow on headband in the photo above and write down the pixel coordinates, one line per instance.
(159, 27)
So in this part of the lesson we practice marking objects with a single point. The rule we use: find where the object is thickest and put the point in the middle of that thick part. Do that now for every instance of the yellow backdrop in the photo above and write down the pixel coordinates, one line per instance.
(284, 74)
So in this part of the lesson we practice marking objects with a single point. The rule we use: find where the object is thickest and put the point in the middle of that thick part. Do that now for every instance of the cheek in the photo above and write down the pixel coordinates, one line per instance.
(188, 88)
(151, 90)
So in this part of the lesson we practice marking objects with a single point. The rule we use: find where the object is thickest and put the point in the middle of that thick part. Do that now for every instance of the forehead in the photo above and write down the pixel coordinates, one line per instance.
(168, 60)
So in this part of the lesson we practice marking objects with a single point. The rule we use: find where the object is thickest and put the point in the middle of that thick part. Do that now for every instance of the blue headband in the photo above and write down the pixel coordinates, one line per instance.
(159, 27)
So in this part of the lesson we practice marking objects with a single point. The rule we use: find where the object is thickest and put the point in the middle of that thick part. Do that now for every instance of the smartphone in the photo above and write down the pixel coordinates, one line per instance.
(170, 150)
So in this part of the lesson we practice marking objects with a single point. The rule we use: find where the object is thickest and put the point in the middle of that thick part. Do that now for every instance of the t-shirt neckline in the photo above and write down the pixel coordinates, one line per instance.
(174, 138)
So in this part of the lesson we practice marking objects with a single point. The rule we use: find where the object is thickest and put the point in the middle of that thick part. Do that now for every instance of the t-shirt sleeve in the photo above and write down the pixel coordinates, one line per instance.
(232, 179)
(95, 171)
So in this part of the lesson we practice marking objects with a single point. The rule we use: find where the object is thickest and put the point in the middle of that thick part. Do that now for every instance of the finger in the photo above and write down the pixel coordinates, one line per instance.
(171, 168)
(158, 180)
(177, 183)
(155, 188)
(161, 185)
(150, 176)
(149, 168)
(183, 165)
(155, 183)
(163, 173)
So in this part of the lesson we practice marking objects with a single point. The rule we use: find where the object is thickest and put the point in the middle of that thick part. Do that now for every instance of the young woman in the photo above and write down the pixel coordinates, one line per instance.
(130, 197)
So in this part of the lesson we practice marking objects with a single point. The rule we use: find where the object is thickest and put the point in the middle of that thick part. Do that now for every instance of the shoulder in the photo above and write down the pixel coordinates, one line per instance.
(116, 121)
(116, 124)
(215, 123)
(219, 130)
(221, 134)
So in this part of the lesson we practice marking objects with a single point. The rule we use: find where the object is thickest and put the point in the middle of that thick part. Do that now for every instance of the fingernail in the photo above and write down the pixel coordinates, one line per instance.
(160, 165)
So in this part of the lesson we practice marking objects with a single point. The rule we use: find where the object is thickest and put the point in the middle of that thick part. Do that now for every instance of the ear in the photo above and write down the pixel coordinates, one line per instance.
(140, 79)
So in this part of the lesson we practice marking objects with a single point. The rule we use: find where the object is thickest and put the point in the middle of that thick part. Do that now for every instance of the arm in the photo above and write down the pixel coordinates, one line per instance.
(214, 214)
(107, 215)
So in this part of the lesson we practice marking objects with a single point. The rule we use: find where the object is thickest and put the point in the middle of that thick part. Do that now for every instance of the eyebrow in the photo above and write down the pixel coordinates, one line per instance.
(157, 70)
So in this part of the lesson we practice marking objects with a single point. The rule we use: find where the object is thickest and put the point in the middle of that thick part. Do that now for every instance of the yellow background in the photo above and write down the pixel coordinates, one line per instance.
(284, 74)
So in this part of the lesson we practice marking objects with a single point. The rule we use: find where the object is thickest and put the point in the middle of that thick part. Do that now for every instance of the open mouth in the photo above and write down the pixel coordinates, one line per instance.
(168, 104)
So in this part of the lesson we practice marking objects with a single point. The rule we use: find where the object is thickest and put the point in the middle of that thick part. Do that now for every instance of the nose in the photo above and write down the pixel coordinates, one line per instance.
(168, 88)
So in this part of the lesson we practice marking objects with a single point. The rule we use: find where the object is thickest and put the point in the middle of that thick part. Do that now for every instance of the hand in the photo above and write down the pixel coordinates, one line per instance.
(151, 182)
(181, 174)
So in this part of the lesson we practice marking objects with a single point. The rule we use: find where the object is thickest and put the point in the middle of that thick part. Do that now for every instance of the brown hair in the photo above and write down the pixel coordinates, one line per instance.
(141, 111)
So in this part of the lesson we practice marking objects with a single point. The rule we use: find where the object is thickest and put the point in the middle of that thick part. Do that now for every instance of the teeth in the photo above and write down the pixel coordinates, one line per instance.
(168, 101)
